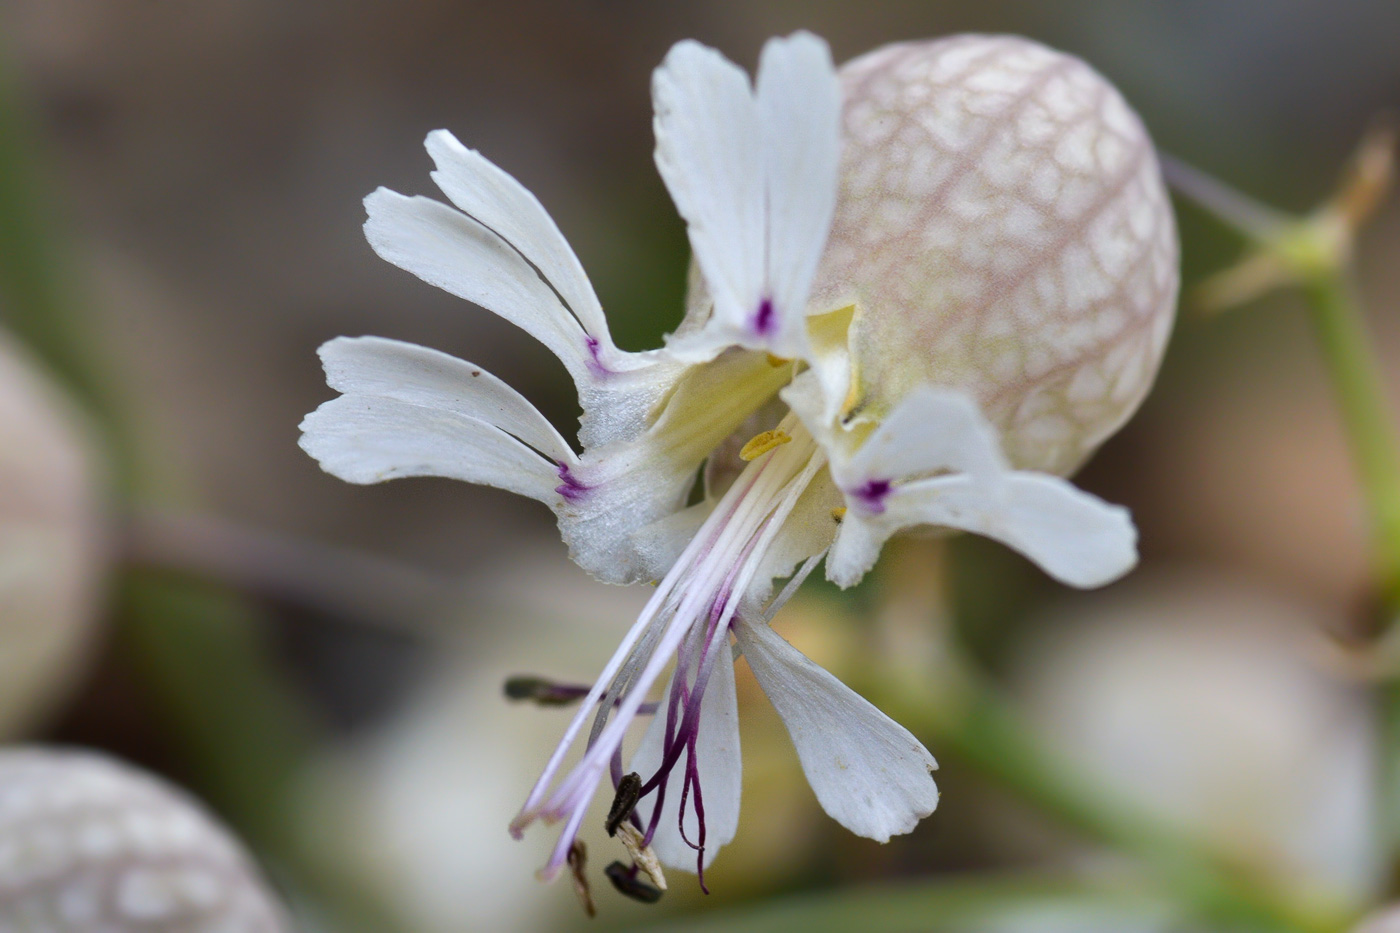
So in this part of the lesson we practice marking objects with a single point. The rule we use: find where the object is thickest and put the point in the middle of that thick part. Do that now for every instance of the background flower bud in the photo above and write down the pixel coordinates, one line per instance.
(1002, 228)
(90, 844)
(51, 551)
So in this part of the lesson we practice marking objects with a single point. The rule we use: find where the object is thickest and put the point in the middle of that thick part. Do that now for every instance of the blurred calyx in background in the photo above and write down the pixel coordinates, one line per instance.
(992, 302)
(54, 548)
(88, 843)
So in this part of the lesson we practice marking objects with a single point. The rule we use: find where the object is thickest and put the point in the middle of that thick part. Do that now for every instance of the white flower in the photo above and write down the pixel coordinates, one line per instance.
(754, 172)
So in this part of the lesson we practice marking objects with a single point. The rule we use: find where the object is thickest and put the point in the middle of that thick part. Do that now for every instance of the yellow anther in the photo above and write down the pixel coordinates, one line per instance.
(838, 514)
(776, 361)
(762, 443)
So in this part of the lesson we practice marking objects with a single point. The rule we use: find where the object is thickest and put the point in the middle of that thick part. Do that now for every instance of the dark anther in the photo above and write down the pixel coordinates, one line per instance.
(544, 692)
(629, 789)
(626, 881)
(578, 855)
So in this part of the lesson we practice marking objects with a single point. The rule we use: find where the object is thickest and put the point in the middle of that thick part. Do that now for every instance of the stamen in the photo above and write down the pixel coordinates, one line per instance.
(546, 692)
(626, 882)
(760, 444)
(642, 855)
(687, 619)
(628, 790)
(578, 856)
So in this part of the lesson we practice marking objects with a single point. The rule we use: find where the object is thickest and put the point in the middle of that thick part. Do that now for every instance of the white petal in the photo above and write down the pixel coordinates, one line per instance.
(721, 775)
(363, 439)
(708, 150)
(496, 200)
(427, 378)
(868, 772)
(1077, 538)
(799, 106)
(929, 430)
(446, 248)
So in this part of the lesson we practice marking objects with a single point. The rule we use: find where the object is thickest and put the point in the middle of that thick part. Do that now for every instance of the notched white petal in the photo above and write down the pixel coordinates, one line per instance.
(936, 461)
(376, 366)
(363, 439)
(446, 248)
(869, 773)
(799, 105)
(1075, 537)
(489, 195)
(708, 151)
(721, 774)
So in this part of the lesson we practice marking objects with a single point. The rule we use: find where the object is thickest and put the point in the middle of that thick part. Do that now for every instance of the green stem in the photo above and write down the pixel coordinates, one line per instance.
(1370, 426)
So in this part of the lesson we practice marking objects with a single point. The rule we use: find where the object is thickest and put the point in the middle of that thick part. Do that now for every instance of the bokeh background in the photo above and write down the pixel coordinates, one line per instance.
(322, 663)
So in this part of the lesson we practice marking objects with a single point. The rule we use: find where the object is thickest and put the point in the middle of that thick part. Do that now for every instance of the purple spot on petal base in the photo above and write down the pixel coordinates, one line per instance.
(571, 489)
(595, 363)
(872, 494)
(765, 321)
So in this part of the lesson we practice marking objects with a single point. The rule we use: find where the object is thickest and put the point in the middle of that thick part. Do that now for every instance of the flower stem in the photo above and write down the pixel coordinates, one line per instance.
(1371, 433)
(1370, 425)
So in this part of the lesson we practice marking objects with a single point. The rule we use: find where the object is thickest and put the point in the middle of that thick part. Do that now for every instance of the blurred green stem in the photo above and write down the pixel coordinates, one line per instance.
(1316, 253)
(1370, 427)
(1370, 424)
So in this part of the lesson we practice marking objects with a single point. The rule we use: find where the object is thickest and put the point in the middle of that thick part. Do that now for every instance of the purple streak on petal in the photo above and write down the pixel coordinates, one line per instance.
(872, 494)
(595, 362)
(572, 488)
(764, 320)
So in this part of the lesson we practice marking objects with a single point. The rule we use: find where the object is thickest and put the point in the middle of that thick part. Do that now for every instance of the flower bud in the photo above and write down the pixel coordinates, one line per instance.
(1002, 228)
(52, 557)
(89, 844)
